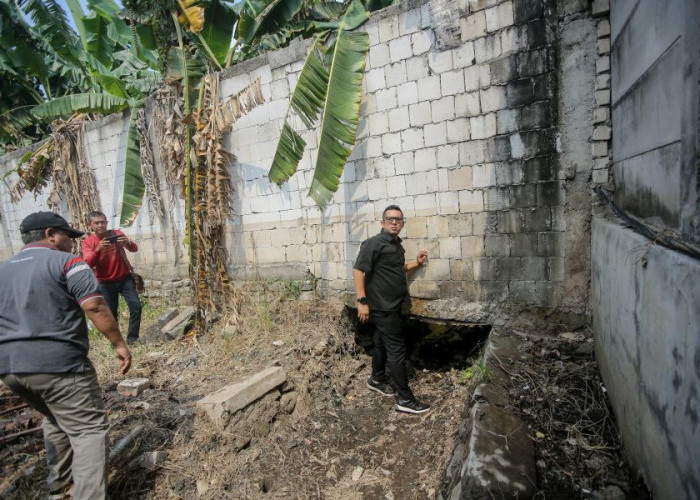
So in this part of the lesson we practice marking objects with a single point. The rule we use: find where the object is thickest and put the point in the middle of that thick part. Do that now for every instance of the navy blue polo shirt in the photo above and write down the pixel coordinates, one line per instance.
(382, 259)
(42, 326)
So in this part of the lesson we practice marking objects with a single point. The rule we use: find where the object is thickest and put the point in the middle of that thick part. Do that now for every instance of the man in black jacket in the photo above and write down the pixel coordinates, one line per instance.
(380, 284)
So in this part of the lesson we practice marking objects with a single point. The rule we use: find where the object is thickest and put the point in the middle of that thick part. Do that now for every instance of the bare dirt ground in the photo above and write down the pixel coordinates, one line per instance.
(340, 440)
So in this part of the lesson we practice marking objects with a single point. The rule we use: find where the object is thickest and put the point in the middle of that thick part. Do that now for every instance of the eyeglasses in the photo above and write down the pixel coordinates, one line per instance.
(398, 220)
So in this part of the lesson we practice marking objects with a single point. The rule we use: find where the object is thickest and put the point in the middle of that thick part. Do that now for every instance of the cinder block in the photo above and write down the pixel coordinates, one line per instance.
(537, 219)
(417, 68)
(483, 126)
(404, 163)
(386, 99)
(471, 201)
(407, 93)
(388, 28)
(473, 26)
(511, 40)
(527, 11)
(429, 88)
(458, 130)
(600, 7)
(602, 133)
(439, 62)
(420, 114)
(422, 41)
(425, 204)
(459, 225)
(378, 123)
(533, 62)
(438, 226)
(603, 28)
(475, 5)
(536, 115)
(374, 79)
(450, 248)
(472, 152)
(487, 48)
(603, 46)
(507, 120)
(493, 99)
(412, 139)
(464, 55)
(599, 148)
(133, 387)
(499, 17)
(443, 109)
(510, 221)
(461, 270)
(484, 175)
(523, 196)
(447, 157)
(602, 97)
(452, 82)
(496, 198)
(601, 114)
(409, 22)
(460, 178)
(391, 143)
(435, 134)
(536, 33)
(503, 69)
(496, 245)
(486, 269)
(520, 92)
(602, 81)
(425, 159)
(467, 105)
(398, 119)
(400, 48)
(602, 64)
(523, 245)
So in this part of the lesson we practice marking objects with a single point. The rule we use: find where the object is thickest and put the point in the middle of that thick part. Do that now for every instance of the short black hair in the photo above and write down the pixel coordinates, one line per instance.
(94, 215)
(33, 235)
(391, 207)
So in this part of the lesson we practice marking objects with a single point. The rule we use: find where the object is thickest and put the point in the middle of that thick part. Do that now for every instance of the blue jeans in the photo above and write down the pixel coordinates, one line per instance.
(127, 288)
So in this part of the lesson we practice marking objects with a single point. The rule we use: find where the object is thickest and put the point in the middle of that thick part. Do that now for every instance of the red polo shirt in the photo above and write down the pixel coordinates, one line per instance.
(108, 263)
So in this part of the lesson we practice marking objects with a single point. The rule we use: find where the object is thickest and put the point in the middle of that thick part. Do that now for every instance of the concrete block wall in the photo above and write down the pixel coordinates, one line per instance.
(467, 140)
(477, 119)
(644, 296)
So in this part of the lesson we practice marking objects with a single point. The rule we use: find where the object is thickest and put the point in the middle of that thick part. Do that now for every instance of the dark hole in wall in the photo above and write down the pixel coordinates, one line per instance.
(435, 345)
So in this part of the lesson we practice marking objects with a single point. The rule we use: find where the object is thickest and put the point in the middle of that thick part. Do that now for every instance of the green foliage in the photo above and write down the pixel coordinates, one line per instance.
(134, 187)
(475, 373)
(329, 85)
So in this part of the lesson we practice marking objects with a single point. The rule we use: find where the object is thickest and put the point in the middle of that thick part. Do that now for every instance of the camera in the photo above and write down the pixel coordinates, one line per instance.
(113, 239)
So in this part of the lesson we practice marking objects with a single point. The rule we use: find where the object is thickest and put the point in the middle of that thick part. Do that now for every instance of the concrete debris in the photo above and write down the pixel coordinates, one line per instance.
(357, 473)
(180, 324)
(223, 404)
(150, 459)
(132, 387)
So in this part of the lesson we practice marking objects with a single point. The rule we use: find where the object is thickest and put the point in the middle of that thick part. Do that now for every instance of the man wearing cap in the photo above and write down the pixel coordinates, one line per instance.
(379, 275)
(45, 294)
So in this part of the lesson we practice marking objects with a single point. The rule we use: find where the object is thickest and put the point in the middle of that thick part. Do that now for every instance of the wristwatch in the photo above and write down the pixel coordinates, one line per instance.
(362, 300)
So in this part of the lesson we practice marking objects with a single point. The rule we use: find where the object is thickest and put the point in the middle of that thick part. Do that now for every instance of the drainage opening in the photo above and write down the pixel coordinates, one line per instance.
(432, 344)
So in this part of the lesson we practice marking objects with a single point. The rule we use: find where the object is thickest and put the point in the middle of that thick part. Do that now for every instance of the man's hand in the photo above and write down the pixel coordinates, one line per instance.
(124, 357)
(104, 243)
(123, 240)
(363, 312)
(422, 256)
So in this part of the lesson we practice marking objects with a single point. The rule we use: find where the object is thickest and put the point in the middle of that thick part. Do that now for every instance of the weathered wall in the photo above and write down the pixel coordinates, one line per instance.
(645, 298)
(654, 102)
(646, 321)
(477, 118)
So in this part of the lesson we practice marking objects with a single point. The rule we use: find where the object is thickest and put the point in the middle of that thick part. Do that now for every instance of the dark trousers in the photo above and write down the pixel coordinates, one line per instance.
(390, 351)
(127, 289)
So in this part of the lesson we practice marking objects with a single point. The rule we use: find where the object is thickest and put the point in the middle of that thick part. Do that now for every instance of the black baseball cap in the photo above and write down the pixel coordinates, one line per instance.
(44, 220)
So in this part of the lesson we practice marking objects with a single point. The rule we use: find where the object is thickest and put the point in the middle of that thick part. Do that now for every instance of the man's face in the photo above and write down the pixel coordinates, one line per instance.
(99, 226)
(392, 224)
(61, 240)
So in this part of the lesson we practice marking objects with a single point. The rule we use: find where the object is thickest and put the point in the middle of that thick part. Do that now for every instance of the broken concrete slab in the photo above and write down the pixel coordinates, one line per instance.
(132, 387)
(500, 462)
(180, 324)
(222, 404)
(167, 316)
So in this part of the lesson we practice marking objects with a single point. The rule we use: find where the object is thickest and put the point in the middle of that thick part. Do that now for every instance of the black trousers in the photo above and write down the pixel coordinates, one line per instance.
(390, 351)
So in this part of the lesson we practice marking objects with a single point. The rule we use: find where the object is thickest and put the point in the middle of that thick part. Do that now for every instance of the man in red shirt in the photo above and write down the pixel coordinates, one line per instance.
(104, 251)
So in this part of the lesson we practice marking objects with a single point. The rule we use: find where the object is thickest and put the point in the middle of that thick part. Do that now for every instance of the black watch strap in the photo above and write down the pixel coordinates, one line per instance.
(362, 300)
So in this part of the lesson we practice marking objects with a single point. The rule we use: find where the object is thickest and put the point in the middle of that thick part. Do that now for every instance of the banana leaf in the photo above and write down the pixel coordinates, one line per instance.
(331, 80)
(85, 103)
(51, 23)
(259, 17)
(134, 187)
(219, 20)
(340, 113)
